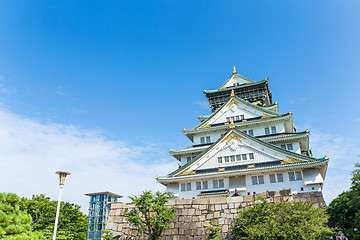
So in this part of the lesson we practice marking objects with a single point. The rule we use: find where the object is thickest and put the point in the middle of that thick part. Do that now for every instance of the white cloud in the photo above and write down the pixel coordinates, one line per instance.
(203, 104)
(32, 151)
(342, 153)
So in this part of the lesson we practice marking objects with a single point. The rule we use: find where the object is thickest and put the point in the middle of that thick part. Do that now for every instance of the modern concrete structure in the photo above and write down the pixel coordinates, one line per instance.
(99, 208)
(245, 146)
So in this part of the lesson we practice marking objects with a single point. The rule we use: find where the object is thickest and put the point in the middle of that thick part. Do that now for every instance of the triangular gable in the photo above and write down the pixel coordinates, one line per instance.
(236, 106)
(238, 142)
(235, 80)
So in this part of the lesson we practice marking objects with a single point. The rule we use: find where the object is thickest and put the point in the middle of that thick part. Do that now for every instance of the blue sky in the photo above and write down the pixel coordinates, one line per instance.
(109, 85)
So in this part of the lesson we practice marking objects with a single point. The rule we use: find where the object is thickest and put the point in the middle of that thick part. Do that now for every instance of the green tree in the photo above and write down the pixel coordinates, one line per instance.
(345, 209)
(214, 231)
(15, 224)
(286, 220)
(72, 222)
(150, 216)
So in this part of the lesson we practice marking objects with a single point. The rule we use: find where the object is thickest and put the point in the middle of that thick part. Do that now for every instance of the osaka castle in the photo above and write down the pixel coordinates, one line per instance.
(245, 146)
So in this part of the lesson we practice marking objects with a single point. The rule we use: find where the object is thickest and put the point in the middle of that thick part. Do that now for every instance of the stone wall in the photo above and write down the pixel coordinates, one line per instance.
(195, 214)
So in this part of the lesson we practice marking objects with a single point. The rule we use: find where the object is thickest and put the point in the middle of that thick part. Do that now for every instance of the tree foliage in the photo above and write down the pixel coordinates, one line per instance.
(345, 209)
(15, 224)
(150, 216)
(72, 222)
(214, 231)
(286, 220)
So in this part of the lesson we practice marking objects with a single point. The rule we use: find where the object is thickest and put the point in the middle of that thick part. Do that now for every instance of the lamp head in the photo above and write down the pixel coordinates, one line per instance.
(62, 176)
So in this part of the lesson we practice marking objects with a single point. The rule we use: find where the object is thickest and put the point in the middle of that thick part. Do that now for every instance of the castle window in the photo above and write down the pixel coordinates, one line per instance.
(267, 131)
(188, 159)
(242, 117)
(237, 118)
(219, 159)
(295, 176)
(257, 180)
(238, 157)
(245, 131)
(228, 119)
(273, 129)
(232, 158)
(283, 146)
(251, 132)
(183, 187)
(202, 140)
(208, 139)
(251, 155)
(218, 183)
(276, 178)
(272, 178)
(198, 185)
(188, 186)
(205, 185)
(289, 146)
(244, 157)
(226, 159)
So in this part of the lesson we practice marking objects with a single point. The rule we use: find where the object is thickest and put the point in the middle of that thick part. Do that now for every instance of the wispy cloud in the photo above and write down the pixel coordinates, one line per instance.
(32, 151)
(4, 88)
(343, 154)
(203, 104)
(78, 111)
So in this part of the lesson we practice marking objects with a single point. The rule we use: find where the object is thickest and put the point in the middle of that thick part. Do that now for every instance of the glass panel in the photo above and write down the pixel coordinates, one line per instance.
(280, 177)
(251, 132)
(237, 118)
(238, 157)
(242, 117)
(205, 185)
(251, 155)
(233, 118)
(219, 159)
(283, 146)
(261, 179)
(298, 176)
(188, 187)
(254, 180)
(292, 176)
(183, 187)
(221, 183)
(290, 146)
(198, 185)
(215, 184)
(272, 178)
(202, 140)
(228, 119)
(226, 159)
(244, 157)
(267, 131)
(232, 158)
(188, 159)
(273, 129)
(207, 139)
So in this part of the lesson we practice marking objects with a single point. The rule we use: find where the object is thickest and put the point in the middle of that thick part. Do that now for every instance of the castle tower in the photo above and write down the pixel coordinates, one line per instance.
(245, 146)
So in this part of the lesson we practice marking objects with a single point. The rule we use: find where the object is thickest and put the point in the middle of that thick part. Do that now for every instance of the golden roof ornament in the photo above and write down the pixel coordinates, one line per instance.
(234, 70)
(266, 78)
(232, 93)
(232, 125)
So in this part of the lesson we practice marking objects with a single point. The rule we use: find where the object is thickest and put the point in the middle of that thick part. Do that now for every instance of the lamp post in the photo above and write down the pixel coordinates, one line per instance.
(62, 176)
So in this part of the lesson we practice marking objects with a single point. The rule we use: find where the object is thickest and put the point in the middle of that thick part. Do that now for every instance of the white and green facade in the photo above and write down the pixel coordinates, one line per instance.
(245, 146)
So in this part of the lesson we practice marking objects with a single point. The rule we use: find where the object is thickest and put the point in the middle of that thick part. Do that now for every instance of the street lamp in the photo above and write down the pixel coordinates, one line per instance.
(62, 176)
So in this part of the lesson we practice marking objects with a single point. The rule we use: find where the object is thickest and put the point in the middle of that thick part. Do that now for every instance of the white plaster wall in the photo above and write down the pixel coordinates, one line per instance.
(258, 157)
(296, 146)
(258, 131)
(267, 186)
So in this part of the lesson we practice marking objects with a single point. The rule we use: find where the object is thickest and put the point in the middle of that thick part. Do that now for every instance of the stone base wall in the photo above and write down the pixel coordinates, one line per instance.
(195, 214)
